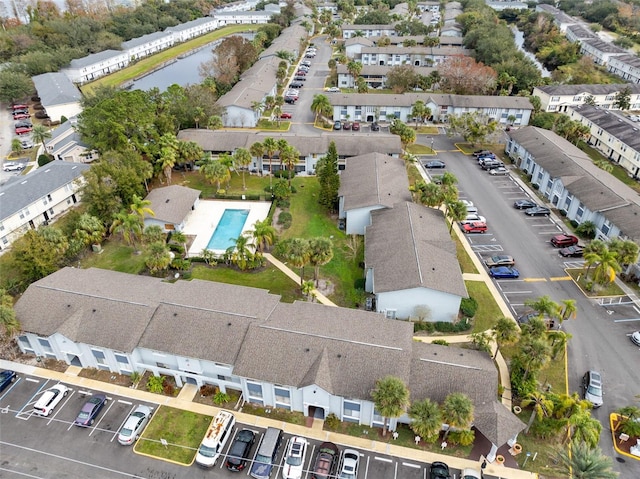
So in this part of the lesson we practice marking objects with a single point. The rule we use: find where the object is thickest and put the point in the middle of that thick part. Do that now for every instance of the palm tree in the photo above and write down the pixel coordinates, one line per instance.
(214, 171)
(290, 156)
(420, 112)
(307, 289)
(457, 411)
(297, 254)
(282, 146)
(128, 225)
(229, 163)
(605, 271)
(263, 234)
(215, 122)
(270, 147)
(545, 306)
(457, 210)
(559, 340)
(198, 113)
(257, 151)
(242, 158)
(320, 253)
(16, 145)
(140, 207)
(89, 229)
(153, 234)
(158, 257)
(391, 398)
(583, 462)
(569, 309)
(629, 422)
(354, 68)
(535, 353)
(40, 133)
(426, 418)
(321, 106)
(430, 194)
(240, 252)
(168, 154)
(584, 428)
(189, 152)
(541, 406)
(180, 238)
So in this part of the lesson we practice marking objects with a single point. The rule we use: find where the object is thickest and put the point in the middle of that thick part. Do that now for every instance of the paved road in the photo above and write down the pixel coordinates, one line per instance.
(600, 334)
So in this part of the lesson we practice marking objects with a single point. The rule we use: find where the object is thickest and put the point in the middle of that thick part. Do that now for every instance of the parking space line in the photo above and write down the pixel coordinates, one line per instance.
(9, 390)
(103, 415)
(115, 434)
(535, 280)
(62, 404)
(31, 380)
(383, 459)
(416, 466)
(366, 469)
(30, 401)
(626, 321)
(128, 403)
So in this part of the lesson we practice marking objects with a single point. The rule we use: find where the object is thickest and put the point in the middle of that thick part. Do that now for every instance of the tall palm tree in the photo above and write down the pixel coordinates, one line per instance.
(297, 254)
(128, 225)
(535, 353)
(282, 146)
(457, 211)
(241, 252)
(505, 331)
(457, 411)
(541, 406)
(558, 340)
(270, 147)
(605, 271)
(263, 234)
(158, 257)
(584, 428)
(290, 156)
(214, 171)
(584, 462)
(545, 306)
(215, 122)
(430, 194)
(168, 154)
(321, 106)
(242, 158)
(320, 253)
(569, 309)
(180, 238)
(391, 398)
(189, 152)
(140, 207)
(89, 229)
(229, 163)
(40, 133)
(257, 151)
(426, 418)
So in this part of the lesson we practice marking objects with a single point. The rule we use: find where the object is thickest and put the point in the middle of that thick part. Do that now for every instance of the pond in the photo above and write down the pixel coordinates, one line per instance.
(519, 40)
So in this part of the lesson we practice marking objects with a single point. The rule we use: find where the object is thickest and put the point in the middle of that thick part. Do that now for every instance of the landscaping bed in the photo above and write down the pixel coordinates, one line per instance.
(106, 376)
(275, 413)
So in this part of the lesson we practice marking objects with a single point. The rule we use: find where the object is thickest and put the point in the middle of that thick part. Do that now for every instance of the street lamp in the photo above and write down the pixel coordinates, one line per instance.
(432, 145)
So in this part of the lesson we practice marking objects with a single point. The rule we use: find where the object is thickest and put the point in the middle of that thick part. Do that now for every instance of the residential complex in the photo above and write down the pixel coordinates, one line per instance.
(560, 98)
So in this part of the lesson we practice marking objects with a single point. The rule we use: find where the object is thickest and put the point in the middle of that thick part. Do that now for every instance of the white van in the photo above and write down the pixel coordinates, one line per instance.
(215, 439)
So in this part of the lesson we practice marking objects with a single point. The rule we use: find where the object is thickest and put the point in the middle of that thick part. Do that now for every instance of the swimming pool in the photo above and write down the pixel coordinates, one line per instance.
(228, 230)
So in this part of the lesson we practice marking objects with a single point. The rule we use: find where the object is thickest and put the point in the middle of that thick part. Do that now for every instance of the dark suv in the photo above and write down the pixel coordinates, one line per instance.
(239, 450)
(563, 241)
(326, 461)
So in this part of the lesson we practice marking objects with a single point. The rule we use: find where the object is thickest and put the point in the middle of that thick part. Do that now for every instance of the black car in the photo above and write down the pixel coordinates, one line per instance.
(299, 78)
(296, 84)
(479, 153)
(240, 450)
(439, 470)
(290, 99)
(492, 165)
(375, 126)
(574, 251)
(435, 164)
(524, 204)
(537, 211)
(6, 378)
(23, 123)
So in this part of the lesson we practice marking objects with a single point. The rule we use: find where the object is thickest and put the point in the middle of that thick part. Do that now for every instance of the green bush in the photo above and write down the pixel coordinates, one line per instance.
(574, 223)
(181, 264)
(587, 229)
(220, 398)
(463, 438)
(441, 342)
(445, 327)
(521, 387)
(284, 174)
(285, 219)
(468, 307)
(332, 422)
(44, 159)
(176, 248)
(155, 384)
(423, 326)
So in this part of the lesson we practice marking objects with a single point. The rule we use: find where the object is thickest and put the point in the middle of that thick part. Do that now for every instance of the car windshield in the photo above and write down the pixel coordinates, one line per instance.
(594, 391)
(125, 432)
(294, 460)
(207, 451)
(263, 459)
(347, 473)
(83, 415)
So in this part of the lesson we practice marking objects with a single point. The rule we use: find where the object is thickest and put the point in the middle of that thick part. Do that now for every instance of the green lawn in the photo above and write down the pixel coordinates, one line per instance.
(149, 63)
(488, 310)
(610, 289)
(116, 256)
(183, 431)
(468, 148)
(418, 149)
(618, 172)
(269, 278)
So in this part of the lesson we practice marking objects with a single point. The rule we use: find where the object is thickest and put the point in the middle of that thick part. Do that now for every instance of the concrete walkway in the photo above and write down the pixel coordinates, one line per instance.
(184, 401)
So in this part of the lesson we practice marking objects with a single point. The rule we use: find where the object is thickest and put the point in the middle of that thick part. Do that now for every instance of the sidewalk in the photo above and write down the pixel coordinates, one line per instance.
(184, 402)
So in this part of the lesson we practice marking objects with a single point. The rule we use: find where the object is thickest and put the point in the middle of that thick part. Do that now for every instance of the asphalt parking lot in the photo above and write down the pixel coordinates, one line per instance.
(35, 446)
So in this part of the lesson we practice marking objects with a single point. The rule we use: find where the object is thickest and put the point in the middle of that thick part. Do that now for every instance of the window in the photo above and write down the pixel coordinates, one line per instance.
(23, 213)
(46, 346)
(549, 184)
(580, 211)
(351, 411)
(121, 358)
(255, 390)
(162, 365)
(283, 397)
(610, 98)
(606, 227)
(100, 359)
(555, 98)
(377, 419)
(577, 98)
(26, 345)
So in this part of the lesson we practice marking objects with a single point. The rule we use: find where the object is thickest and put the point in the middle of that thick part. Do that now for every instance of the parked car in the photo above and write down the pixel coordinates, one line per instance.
(306, 63)
(355, 126)
(310, 55)
(240, 450)
(296, 84)
(300, 78)
(301, 73)
(90, 410)
(592, 386)
(435, 164)
(346, 125)
(469, 473)
(333, 89)
(22, 115)
(503, 272)
(439, 470)
(326, 461)
(475, 227)
(574, 251)
(292, 92)
(635, 338)
(134, 425)
(19, 106)
(499, 260)
(290, 100)
(349, 466)
(23, 123)
(294, 458)
(286, 116)
(13, 166)
(473, 217)
(500, 170)
(304, 68)
(50, 399)
(23, 130)
(563, 241)
(537, 211)
(375, 126)
(6, 378)
(479, 153)
(492, 165)
(337, 125)
(524, 204)
(26, 144)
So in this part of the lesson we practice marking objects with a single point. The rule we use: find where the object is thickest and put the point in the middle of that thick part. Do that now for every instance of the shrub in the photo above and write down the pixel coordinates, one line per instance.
(181, 264)
(468, 307)
(169, 389)
(44, 159)
(220, 398)
(574, 223)
(207, 390)
(458, 327)
(587, 229)
(176, 248)
(423, 326)
(441, 342)
(284, 174)
(283, 203)
(155, 384)
(519, 386)
(332, 422)
(463, 438)
(285, 219)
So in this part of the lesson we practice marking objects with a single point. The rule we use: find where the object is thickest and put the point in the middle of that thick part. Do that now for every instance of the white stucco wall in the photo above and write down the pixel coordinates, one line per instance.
(442, 306)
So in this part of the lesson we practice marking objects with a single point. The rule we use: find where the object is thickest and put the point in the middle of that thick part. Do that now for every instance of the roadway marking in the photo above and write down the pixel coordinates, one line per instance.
(535, 280)
(383, 459)
(32, 380)
(128, 403)
(517, 292)
(625, 321)
(561, 278)
(416, 466)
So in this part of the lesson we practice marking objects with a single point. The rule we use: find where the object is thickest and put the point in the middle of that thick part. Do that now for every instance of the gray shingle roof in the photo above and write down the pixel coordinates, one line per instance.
(187, 25)
(381, 70)
(17, 195)
(632, 60)
(417, 50)
(613, 123)
(56, 89)
(374, 179)
(149, 37)
(94, 58)
(172, 203)
(409, 246)
(598, 89)
(581, 32)
(496, 422)
(602, 46)
(408, 99)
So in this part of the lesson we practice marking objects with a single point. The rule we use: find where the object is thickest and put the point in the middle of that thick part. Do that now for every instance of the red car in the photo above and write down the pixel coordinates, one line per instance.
(301, 73)
(20, 107)
(21, 116)
(23, 130)
(564, 241)
(475, 227)
(355, 126)
(285, 116)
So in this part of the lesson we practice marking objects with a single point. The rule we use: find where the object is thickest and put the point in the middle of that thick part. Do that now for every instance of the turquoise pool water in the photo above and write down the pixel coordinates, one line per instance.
(228, 229)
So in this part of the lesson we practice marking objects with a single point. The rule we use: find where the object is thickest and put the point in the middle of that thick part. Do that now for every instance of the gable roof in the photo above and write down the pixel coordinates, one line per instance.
(172, 203)
(408, 99)
(25, 190)
(409, 246)
(596, 89)
(56, 89)
(374, 179)
(95, 58)
(148, 38)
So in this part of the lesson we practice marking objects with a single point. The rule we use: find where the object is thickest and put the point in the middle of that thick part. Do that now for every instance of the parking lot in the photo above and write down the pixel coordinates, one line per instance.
(71, 451)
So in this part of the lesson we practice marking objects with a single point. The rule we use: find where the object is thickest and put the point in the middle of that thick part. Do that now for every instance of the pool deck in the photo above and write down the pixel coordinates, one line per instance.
(202, 221)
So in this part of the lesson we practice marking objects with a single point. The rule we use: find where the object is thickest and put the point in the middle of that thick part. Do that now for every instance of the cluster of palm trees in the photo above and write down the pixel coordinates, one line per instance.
(391, 399)
(300, 252)
(445, 192)
(607, 259)
(174, 152)
(247, 252)
(321, 107)
(39, 134)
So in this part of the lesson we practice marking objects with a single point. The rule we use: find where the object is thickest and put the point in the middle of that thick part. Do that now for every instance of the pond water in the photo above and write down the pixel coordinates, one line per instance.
(519, 39)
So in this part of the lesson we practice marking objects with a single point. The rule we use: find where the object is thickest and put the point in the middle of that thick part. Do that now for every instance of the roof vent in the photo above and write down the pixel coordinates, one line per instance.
(339, 355)
(94, 310)
(68, 305)
(306, 350)
(229, 324)
(167, 200)
(175, 314)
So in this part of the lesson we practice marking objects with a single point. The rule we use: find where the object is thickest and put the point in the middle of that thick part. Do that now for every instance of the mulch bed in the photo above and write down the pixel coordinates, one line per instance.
(106, 376)
(624, 446)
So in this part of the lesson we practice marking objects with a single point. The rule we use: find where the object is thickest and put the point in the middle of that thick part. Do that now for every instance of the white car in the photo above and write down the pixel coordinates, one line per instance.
(50, 399)
(333, 89)
(134, 425)
(349, 466)
(501, 170)
(294, 458)
(12, 166)
(472, 218)
(469, 473)
(635, 338)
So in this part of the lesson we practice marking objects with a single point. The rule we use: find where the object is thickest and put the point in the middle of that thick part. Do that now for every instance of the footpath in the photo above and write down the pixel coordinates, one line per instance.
(184, 401)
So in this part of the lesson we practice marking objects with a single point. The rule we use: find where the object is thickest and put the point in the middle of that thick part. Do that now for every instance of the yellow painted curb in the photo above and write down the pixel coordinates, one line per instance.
(613, 438)
(163, 458)
(561, 278)
(535, 280)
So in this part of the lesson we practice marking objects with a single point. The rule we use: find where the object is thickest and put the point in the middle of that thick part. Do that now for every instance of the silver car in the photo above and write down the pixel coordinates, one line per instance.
(134, 425)
(592, 384)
